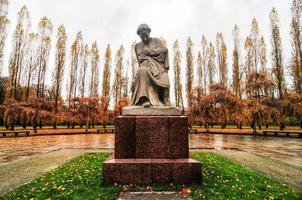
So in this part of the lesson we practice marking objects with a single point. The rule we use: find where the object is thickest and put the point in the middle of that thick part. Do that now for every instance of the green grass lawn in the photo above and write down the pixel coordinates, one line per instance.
(222, 179)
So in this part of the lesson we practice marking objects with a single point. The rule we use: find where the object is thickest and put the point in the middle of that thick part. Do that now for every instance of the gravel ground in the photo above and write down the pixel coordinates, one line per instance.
(273, 169)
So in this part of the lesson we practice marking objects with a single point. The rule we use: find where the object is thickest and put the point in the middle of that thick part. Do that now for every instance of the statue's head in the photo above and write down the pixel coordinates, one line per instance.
(144, 32)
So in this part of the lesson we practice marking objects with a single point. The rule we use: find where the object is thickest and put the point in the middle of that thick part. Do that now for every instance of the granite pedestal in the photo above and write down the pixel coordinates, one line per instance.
(151, 149)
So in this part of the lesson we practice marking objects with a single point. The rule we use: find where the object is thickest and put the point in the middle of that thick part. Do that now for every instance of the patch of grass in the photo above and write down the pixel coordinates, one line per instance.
(224, 179)
(221, 179)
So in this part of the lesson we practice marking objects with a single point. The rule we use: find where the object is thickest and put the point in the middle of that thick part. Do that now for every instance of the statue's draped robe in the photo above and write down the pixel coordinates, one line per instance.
(151, 80)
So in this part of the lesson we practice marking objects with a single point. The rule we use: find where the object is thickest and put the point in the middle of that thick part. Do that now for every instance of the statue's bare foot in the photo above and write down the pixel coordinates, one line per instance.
(146, 104)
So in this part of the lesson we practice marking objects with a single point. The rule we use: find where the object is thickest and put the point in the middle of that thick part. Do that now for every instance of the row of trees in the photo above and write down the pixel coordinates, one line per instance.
(255, 94)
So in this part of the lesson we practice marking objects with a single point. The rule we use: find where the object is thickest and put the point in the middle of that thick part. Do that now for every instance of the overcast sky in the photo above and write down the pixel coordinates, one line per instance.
(115, 21)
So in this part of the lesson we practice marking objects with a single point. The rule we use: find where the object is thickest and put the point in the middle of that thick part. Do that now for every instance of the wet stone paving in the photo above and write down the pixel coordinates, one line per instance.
(284, 149)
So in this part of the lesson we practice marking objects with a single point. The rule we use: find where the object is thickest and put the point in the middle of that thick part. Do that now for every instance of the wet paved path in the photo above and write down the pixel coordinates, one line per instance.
(273, 169)
(284, 149)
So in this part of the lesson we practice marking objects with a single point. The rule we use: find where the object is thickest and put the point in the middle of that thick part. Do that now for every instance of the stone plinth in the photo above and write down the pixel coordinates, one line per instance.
(151, 137)
(151, 111)
(149, 171)
(151, 149)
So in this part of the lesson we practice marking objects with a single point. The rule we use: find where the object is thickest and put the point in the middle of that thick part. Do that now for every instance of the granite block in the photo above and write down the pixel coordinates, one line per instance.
(151, 137)
(147, 171)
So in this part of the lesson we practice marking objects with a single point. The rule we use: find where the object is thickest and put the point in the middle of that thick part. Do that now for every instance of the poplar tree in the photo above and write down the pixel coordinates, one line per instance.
(277, 58)
(237, 74)
(76, 49)
(94, 78)
(106, 73)
(118, 79)
(296, 37)
(31, 62)
(4, 21)
(177, 74)
(83, 70)
(262, 55)
(221, 58)
(45, 31)
(254, 43)
(60, 59)
(105, 99)
(199, 70)
(125, 81)
(249, 61)
(189, 72)
(211, 67)
(204, 58)
(17, 57)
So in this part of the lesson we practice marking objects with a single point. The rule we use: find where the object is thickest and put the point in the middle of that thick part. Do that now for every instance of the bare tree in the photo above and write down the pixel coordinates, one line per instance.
(249, 62)
(83, 70)
(177, 75)
(59, 67)
(296, 59)
(45, 31)
(211, 67)
(94, 79)
(3, 28)
(17, 57)
(221, 58)
(118, 82)
(189, 73)
(75, 62)
(277, 58)
(237, 74)
(31, 62)
(255, 40)
(107, 73)
(205, 59)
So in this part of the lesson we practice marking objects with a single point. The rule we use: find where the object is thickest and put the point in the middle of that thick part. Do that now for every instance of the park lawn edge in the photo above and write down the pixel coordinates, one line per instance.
(79, 178)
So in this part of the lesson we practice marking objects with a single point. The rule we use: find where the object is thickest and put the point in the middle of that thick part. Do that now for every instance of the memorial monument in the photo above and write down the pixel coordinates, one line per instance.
(151, 136)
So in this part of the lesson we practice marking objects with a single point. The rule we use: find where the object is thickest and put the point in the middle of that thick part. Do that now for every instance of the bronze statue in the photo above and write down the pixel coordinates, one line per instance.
(151, 84)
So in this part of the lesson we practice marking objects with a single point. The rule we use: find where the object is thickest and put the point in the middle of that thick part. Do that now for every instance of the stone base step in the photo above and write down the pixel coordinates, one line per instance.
(150, 171)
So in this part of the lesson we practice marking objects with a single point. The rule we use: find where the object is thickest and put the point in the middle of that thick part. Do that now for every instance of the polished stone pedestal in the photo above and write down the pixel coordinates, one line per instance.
(151, 149)
(149, 171)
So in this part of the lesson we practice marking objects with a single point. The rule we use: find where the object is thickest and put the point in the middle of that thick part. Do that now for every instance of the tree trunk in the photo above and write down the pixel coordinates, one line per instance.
(282, 126)
(93, 122)
(40, 124)
(35, 125)
(55, 124)
(24, 123)
(12, 125)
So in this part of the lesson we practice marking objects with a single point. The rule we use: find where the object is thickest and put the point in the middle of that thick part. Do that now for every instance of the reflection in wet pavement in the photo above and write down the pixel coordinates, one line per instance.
(285, 149)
